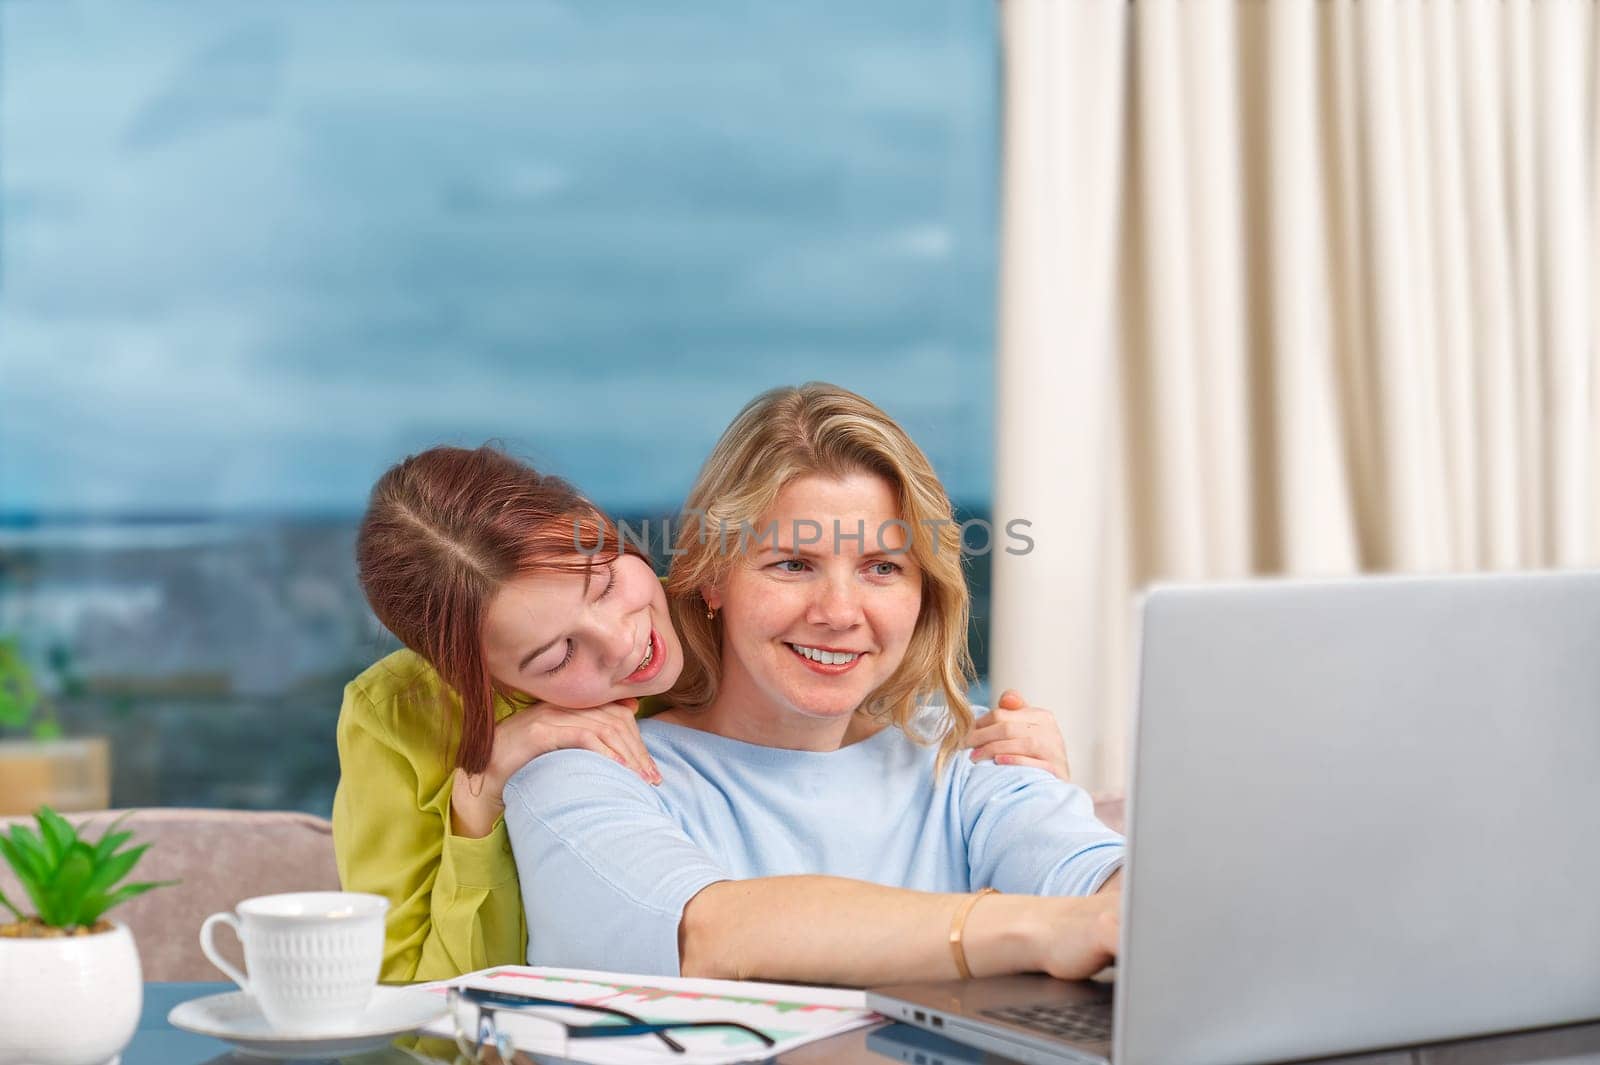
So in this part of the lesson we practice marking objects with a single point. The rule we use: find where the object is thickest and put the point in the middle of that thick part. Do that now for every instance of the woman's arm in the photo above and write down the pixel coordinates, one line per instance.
(454, 904)
(829, 930)
(1028, 833)
(835, 930)
(610, 881)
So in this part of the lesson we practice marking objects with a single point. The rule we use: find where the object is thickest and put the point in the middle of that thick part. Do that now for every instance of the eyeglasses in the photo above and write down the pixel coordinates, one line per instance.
(478, 1024)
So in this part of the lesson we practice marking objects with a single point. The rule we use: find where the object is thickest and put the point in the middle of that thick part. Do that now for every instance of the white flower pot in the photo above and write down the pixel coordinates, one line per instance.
(69, 1001)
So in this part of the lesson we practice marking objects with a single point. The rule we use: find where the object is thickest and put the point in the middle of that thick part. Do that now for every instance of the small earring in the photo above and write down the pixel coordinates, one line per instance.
(711, 612)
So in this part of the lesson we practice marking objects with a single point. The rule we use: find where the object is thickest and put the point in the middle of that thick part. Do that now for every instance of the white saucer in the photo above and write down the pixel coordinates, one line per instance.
(235, 1018)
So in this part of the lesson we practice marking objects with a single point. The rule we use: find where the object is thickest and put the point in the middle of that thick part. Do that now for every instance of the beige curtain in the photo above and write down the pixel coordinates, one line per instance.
(1286, 287)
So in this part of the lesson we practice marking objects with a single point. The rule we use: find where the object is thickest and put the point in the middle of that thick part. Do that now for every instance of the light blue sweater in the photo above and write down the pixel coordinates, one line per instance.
(607, 862)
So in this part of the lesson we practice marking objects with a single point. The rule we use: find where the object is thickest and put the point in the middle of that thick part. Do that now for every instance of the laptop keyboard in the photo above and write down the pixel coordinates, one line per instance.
(1084, 1022)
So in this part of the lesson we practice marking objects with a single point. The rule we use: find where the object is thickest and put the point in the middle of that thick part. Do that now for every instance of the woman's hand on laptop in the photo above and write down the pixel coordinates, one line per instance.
(476, 802)
(1014, 733)
(1069, 938)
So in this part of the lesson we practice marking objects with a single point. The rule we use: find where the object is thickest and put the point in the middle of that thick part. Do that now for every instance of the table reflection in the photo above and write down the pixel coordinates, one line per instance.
(157, 1043)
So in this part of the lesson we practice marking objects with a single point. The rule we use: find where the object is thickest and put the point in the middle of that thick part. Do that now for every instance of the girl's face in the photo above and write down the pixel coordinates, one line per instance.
(813, 629)
(549, 637)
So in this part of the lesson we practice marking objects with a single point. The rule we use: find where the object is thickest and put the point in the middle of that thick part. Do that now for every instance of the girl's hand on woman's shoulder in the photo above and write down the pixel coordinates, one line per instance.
(1014, 733)
(611, 730)
(476, 802)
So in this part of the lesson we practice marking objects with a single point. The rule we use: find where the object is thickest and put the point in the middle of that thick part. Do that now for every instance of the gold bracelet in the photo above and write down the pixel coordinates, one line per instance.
(958, 926)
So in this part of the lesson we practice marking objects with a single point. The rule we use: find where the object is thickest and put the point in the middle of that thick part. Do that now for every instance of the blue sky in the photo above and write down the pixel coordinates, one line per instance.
(251, 254)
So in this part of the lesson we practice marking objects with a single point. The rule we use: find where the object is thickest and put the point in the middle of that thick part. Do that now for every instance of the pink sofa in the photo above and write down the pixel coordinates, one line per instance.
(219, 857)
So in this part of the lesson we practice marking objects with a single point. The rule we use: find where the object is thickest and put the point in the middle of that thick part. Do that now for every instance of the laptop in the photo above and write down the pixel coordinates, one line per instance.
(1362, 813)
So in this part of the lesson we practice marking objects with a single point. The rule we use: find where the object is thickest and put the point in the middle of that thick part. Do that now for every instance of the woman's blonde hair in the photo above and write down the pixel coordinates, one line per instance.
(822, 429)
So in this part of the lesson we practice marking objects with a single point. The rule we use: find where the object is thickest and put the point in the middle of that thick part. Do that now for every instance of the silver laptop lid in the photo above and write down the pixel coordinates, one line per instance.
(1362, 813)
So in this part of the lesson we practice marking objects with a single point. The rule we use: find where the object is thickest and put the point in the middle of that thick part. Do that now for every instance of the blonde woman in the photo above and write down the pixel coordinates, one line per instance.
(812, 823)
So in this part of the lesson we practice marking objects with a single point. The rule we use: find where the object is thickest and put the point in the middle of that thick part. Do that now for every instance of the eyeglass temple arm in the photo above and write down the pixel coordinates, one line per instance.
(602, 1031)
(485, 997)
(766, 1039)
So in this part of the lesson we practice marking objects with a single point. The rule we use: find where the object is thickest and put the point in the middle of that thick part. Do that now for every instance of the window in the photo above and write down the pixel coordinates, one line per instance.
(250, 255)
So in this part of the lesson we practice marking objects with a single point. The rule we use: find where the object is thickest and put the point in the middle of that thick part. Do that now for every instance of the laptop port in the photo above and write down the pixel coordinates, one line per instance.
(920, 1016)
(938, 1022)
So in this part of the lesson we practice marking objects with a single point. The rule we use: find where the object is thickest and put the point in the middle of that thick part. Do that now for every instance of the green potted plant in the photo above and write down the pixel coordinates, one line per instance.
(70, 983)
(21, 706)
(38, 766)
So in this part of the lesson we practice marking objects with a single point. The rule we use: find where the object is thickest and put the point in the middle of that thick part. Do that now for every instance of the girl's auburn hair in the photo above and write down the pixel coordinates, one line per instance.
(443, 531)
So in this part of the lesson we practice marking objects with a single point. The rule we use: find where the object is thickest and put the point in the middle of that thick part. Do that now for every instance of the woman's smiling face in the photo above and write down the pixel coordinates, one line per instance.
(547, 635)
(813, 629)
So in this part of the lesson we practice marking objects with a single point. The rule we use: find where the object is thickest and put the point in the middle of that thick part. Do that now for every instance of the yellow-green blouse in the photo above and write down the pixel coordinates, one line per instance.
(454, 903)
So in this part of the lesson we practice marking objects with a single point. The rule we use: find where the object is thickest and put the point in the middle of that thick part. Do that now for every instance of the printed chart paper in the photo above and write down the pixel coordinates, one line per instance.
(790, 1014)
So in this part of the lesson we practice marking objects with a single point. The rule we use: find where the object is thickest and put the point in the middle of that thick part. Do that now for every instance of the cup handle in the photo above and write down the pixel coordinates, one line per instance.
(210, 950)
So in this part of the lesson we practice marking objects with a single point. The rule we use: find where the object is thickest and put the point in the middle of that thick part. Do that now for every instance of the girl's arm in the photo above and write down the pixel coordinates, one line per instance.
(1015, 733)
(432, 840)
(477, 802)
(454, 904)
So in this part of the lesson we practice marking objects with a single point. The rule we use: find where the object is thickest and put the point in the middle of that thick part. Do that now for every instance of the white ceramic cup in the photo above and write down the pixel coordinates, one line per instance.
(312, 956)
